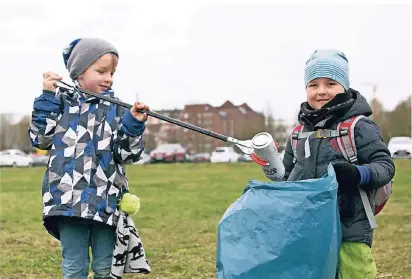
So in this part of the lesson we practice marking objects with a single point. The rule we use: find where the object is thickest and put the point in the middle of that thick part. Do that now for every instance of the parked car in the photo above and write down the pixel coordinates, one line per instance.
(188, 156)
(15, 158)
(224, 154)
(200, 157)
(245, 158)
(400, 147)
(144, 159)
(40, 160)
(170, 152)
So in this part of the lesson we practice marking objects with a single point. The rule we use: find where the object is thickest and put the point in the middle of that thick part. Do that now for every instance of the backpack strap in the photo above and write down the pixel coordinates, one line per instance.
(347, 141)
(294, 139)
(320, 134)
(348, 148)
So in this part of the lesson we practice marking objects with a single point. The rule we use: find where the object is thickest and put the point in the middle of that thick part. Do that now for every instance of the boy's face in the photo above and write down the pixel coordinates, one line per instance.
(322, 90)
(99, 76)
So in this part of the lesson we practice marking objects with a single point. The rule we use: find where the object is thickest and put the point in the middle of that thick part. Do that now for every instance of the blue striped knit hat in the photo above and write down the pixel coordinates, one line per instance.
(328, 63)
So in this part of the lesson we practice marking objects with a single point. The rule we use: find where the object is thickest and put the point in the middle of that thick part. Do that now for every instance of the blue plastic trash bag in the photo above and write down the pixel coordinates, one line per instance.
(281, 230)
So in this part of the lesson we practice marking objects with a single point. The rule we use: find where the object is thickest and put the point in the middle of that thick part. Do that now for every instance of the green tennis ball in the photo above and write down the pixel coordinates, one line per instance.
(130, 204)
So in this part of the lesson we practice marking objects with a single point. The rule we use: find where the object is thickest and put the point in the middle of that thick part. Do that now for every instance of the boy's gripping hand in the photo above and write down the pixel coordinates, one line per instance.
(49, 81)
(136, 111)
(350, 176)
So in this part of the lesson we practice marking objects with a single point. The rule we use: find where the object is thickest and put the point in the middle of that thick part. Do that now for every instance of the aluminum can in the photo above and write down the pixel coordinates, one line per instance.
(267, 156)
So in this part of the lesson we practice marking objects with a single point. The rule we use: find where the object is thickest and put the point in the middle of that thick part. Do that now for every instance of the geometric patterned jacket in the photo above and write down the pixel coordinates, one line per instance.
(90, 140)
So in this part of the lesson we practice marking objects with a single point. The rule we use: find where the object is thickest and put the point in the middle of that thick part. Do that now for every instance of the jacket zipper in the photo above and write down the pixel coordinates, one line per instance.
(316, 157)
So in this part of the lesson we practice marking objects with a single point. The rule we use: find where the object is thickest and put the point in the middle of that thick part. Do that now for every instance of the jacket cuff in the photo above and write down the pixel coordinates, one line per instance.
(131, 126)
(48, 101)
(51, 97)
(365, 174)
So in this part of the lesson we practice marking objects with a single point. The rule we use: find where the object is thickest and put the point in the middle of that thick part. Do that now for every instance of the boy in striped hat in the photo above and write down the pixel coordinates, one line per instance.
(331, 101)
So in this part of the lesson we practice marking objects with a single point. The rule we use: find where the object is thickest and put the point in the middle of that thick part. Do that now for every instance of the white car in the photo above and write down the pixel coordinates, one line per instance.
(224, 154)
(15, 158)
(400, 147)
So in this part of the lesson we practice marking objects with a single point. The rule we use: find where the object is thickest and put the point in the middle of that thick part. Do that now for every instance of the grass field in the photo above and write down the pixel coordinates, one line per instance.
(181, 207)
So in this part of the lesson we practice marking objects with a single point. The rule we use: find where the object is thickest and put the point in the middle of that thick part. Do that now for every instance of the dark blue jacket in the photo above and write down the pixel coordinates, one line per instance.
(372, 153)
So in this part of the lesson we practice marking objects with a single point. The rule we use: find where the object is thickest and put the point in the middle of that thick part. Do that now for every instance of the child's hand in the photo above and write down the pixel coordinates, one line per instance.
(348, 177)
(138, 115)
(49, 81)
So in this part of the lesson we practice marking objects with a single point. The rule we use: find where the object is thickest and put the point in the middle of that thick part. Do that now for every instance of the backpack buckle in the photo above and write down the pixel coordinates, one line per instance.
(343, 132)
(321, 134)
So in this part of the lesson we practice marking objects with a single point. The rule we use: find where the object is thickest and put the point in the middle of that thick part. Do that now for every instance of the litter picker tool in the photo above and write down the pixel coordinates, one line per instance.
(244, 145)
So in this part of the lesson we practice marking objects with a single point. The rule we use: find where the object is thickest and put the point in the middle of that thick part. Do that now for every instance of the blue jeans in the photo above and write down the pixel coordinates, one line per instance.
(76, 235)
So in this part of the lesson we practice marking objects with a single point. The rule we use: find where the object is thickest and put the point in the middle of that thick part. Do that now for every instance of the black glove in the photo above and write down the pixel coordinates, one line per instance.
(348, 177)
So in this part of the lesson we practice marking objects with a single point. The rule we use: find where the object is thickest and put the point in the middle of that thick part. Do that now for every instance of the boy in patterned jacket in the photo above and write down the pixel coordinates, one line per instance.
(90, 140)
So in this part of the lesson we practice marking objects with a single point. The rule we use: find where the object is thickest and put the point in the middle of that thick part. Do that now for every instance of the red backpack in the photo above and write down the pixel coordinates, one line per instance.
(346, 142)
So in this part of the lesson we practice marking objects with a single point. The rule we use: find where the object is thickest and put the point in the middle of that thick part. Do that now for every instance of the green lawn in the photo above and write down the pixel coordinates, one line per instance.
(181, 205)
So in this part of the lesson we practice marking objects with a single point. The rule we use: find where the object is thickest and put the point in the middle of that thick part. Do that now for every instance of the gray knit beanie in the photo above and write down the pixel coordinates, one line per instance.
(81, 53)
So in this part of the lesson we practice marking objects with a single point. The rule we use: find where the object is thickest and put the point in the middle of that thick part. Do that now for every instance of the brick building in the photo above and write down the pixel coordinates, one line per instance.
(159, 131)
(240, 122)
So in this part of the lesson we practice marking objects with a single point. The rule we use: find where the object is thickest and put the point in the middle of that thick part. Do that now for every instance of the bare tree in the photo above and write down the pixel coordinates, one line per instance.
(269, 120)
(400, 120)
(5, 135)
(149, 142)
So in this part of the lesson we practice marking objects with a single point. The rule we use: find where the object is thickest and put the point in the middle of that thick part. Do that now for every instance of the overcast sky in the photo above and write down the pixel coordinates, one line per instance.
(173, 53)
